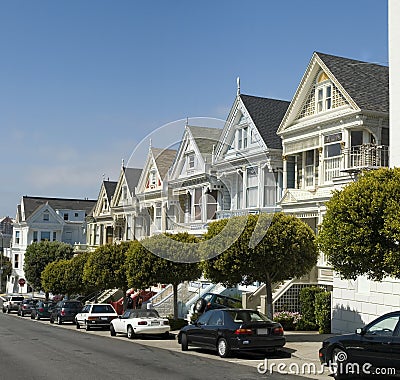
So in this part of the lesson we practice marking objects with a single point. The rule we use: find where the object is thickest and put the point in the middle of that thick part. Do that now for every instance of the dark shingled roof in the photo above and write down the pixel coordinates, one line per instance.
(110, 187)
(267, 115)
(366, 83)
(164, 159)
(32, 203)
(132, 176)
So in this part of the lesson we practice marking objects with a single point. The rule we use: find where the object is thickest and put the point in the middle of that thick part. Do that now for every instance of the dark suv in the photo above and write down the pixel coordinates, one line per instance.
(210, 301)
(65, 311)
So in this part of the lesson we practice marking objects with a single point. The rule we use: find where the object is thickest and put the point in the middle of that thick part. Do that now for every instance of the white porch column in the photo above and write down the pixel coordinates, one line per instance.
(284, 179)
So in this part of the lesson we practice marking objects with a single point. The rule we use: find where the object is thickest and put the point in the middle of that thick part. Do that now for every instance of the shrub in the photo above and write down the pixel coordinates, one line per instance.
(323, 312)
(307, 307)
(287, 319)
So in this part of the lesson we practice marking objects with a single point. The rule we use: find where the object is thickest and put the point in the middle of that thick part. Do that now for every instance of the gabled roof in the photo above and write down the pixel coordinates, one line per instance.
(267, 115)
(205, 138)
(110, 187)
(164, 159)
(132, 176)
(366, 83)
(30, 204)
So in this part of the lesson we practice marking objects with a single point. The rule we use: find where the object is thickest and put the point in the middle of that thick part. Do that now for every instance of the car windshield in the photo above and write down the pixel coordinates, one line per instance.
(101, 309)
(241, 316)
(72, 305)
(144, 314)
(17, 298)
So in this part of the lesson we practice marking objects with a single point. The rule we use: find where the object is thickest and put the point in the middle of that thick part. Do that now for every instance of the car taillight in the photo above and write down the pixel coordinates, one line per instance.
(41, 309)
(243, 331)
(142, 323)
(92, 318)
(62, 312)
(277, 331)
(166, 322)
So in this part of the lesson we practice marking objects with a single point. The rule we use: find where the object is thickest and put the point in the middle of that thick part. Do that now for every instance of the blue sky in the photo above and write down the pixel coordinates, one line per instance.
(83, 82)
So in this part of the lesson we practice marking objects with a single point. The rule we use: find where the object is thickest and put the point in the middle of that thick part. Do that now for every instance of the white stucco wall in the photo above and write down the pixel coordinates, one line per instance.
(394, 81)
(356, 303)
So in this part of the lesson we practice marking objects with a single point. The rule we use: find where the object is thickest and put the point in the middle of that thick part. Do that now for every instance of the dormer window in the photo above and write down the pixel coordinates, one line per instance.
(124, 193)
(46, 217)
(242, 138)
(153, 178)
(323, 93)
(190, 161)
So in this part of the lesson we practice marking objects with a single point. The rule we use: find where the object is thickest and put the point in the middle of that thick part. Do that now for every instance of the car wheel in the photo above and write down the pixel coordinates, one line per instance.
(200, 305)
(22, 314)
(4, 310)
(32, 316)
(166, 335)
(184, 342)
(131, 333)
(59, 320)
(8, 311)
(18, 313)
(338, 362)
(223, 348)
(51, 320)
(87, 326)
(78, 326)
(112, 331)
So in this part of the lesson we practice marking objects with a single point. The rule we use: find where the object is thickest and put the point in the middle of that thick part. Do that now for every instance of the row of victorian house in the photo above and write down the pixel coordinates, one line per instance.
(271, 155)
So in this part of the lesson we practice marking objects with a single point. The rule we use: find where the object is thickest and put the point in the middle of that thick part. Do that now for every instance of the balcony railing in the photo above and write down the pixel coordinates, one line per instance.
(367, 156)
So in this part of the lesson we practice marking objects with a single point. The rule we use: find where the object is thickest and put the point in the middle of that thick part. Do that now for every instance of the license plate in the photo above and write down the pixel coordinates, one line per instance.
(155, 323)
(104, 318)
(262, 331)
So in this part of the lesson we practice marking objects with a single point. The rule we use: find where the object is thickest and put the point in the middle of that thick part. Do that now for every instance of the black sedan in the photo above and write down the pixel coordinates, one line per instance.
(373, 349)
(228, 330)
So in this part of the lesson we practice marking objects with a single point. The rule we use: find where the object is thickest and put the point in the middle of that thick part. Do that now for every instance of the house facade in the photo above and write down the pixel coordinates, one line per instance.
(39, 219)
(337, 126)
(195, 195)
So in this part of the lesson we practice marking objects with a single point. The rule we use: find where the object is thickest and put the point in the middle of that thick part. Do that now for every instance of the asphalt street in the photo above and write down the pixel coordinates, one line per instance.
(38, 350)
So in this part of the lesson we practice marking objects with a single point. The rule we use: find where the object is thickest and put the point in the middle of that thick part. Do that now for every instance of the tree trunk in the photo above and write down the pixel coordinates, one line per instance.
(268, 286)
(175, 287)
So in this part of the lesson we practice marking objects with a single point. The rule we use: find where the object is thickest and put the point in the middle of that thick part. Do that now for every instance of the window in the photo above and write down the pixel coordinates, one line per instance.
(54, 235)
(269, 188)
(157, 221)
(46, 217)
(16, 261)
(216, 319)
(35, 236)
(309, 169)
(17, 236)
(244, 131)
(252, 187)
(212, 204)
(197, 203)
(323, 93)
(153, 178)
(190, 159)
(45, 235)
(76, 215)
(384, 327)
(65, 216)
(242, 138)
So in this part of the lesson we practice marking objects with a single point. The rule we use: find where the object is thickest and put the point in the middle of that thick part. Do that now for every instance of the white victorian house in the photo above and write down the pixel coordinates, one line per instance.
(152, 193)
(195, 193)
(248, 158)
(39, 219)
(337, 125)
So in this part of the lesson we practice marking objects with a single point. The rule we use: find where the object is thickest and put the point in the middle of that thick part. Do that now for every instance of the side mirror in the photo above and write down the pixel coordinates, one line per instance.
(360, 331)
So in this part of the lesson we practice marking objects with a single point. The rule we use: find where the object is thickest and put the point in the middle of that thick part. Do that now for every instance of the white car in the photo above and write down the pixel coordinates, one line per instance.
(95, 315)
(140, 321)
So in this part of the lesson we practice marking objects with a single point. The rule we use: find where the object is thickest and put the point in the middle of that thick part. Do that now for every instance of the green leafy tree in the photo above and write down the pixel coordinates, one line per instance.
(105, 267)
(65, 276)
(39, 254)
(271, 248)
(7, 268)
(360, 232)
(163, 259)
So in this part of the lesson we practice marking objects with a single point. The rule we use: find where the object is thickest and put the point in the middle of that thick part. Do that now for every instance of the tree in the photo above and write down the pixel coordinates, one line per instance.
(105, 267)
(163, 259)
(360, 232)
(39, 254)
(7, 268)
(65, 276)
(271, 248)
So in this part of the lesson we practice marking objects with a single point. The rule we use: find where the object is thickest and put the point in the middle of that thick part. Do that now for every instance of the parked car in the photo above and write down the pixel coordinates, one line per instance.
(65, 311)
(26, 306)
(227, 330)
(377, 345)
(42, 310)
(210, 301)
(95, 315)
(140, 321)
(12, 303)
